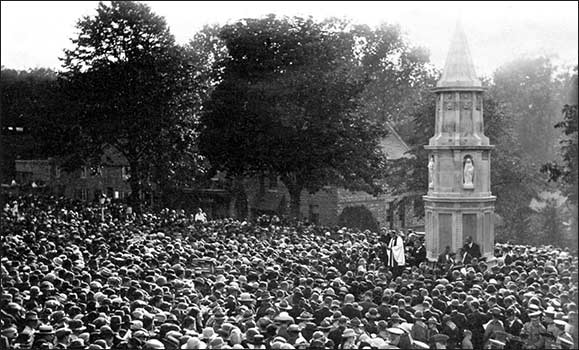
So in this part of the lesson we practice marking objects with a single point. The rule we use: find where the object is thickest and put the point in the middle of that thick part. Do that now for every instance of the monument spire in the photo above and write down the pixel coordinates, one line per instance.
(459, 205)
(459, 69)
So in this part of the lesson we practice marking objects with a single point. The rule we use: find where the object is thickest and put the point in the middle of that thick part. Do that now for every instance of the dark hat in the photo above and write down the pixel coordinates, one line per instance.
(77, 344)
(76, 325)
(324, 325)
(283, 305)
(62, 332)
(31, 316)
(372, 314)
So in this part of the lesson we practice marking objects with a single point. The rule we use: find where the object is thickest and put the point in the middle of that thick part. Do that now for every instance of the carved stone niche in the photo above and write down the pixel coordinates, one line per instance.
(468, 172)
(466, 100)
(478, 101)
(449, 103)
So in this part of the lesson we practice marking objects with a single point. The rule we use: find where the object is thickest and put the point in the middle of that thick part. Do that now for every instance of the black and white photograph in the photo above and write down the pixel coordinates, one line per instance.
(323, 175)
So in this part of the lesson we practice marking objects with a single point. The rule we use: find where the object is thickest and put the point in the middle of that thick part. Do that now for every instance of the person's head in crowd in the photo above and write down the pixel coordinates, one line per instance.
(81, 282)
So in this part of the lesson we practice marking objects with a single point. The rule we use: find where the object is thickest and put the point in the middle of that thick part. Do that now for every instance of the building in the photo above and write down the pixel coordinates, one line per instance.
(459, 202)
(267, 195)
(86, 183)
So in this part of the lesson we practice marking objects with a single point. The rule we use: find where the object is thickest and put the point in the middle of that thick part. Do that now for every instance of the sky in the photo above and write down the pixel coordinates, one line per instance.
(34, 34)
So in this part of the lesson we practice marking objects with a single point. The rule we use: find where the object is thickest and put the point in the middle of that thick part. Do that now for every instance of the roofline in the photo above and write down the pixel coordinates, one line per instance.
(391, 128)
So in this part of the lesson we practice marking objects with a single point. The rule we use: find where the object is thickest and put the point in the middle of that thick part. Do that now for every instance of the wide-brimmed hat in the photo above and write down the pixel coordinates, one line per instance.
(325, 325)
(45, 330)
(245, 297)
(283, 305)
(217, 343)
(348, 332)
(439, 338)
(283, 317)
(265, 296)
(293, 328)
(305, 316)
(208, 333)
(395, 331)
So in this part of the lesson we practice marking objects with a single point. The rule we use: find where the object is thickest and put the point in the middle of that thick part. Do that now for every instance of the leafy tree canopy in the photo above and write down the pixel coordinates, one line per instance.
(286, 104)
(130, 86)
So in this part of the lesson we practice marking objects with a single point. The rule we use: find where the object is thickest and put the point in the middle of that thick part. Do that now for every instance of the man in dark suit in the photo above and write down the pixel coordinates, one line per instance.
(419, 251)
(513, 326)
(475, 323)
(458, 318)
(471, 250)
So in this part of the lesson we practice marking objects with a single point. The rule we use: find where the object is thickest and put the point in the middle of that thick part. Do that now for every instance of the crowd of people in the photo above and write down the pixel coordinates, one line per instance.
(75, 277)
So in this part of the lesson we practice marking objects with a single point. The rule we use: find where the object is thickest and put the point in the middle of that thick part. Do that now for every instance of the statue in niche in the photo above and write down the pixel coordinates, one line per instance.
(431, 172)
(468, 172)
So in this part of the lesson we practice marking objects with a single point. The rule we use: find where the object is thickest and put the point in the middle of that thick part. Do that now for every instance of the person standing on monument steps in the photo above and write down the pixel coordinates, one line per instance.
(396, 258)
(470, 250)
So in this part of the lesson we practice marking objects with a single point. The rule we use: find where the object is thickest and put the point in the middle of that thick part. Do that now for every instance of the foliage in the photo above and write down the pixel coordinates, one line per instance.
(130, 86)
(398, 75)
(550, 220)
(530, 92)
(285, 104)
(30, 102)
(567, 172)
(358, 217)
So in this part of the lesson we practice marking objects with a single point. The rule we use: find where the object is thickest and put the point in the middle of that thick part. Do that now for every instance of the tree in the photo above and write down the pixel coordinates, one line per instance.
(358, 217)
(399, 75)
(30, 109)
(131, 87)
(530, 92)
(567, 171)
(285, 105)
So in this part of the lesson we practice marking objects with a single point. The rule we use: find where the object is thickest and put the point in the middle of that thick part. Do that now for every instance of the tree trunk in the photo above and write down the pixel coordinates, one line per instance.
(294, 187)
(135, 200)
(295, 198)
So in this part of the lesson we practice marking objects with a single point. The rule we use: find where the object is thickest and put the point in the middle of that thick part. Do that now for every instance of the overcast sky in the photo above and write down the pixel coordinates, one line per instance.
(34, 34)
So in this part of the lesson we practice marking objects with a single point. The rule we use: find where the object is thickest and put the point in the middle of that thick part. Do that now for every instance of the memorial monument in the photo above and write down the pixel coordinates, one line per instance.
(459, 202)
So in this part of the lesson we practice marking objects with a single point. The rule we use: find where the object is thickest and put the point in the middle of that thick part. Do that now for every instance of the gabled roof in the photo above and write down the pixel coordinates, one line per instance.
(393, 145)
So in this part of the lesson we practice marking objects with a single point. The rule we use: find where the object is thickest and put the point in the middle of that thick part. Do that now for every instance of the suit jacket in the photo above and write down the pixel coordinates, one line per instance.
(322, 313)
(514, 327)
(419, 254)
(459, 319)
(444, 259)
(350, 311)
(473, 251)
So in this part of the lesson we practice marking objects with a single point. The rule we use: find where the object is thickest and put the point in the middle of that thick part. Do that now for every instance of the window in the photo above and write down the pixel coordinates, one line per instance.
(57, 171)
(81, 193)
(389, 211)
(84, 172)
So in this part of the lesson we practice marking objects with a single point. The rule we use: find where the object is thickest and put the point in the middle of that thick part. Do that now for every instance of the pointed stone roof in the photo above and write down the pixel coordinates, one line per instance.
(459, 69)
